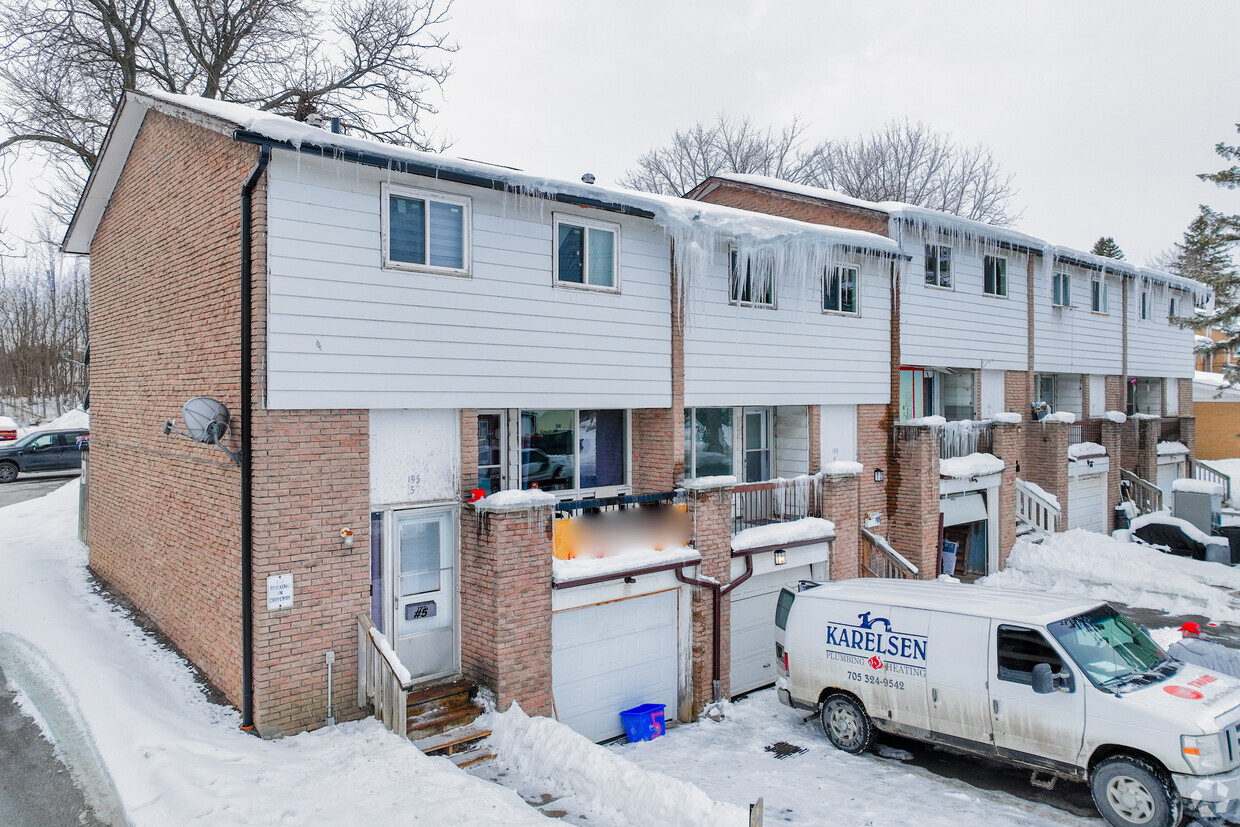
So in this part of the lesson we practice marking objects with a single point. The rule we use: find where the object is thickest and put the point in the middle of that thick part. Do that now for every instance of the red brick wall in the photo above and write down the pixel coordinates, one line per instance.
(1148, 433)
(165, 326)
(840, 506)
(915, 520)
(1217, 430)
(506, 605)
(1117, 394)
(1009, 445)
(1185, 392)
(799, 207)
(710, 513)
(1046, 461)
(814, 422)
(1112, 440)
(656, 450)
(874, 453)
(1018, 391)
(469, 454)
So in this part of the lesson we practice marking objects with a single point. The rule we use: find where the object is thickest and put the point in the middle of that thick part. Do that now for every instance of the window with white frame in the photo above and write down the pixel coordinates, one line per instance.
(839, 291)
(565, 450)
(708, 442)
(994, 276)
(1062, 290)
(1145, 305)
(425, 231)
(938, 265)
(754, 287)
(585, 253)
(1098, 294)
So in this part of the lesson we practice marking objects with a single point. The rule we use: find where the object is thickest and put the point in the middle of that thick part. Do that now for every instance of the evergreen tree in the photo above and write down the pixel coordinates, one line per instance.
(1106, 246)
(1205, 256)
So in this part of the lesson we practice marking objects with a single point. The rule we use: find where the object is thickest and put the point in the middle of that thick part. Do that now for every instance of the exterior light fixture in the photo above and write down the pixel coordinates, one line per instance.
(879, 476)
(781, 557)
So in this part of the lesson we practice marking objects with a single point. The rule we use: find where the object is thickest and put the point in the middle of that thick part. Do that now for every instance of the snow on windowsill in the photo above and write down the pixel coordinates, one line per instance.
(583, 568)
(842, 468)
(1197, 486)
(806, 528)
(1172, 448)
(1006, 418)
(1086, 449)
(516, 500)
(708, 483)
(974, 465)
(1040, 491)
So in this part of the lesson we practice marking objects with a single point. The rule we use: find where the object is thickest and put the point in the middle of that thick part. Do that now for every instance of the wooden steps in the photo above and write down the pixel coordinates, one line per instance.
(440, 721)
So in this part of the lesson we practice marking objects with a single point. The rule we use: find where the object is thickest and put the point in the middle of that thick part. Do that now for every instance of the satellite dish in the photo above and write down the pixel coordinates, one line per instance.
(205, 418)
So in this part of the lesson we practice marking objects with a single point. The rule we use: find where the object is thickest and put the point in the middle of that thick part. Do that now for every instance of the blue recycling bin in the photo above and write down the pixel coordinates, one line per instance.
(643, 723)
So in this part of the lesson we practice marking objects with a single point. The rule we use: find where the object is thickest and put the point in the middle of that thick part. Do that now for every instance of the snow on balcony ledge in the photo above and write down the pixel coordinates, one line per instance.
(1173, 448)
(708, 483)
(1006, 418)
(841, 468)
(1086, 449)
(1117, 417)
(924, 420)
(516, 500)
(630, 559)
(777, 534)
(1066, 417)
(974, 465)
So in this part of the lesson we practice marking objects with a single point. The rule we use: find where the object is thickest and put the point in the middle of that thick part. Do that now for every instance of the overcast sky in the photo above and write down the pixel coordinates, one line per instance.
(1104, 111)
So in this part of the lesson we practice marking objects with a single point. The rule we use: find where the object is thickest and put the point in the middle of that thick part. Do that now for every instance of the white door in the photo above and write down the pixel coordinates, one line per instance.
(613, 656)
(423, 553)
(1087, 502)
(753, 627)
(1168, 473)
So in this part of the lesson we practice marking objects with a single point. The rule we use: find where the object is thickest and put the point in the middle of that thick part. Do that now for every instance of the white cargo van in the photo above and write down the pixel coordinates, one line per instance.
(1067, 687)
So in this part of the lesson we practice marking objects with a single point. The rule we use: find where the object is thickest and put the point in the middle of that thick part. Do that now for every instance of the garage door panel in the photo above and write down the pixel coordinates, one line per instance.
(613, 656)
(753, 627)
(1087, 502)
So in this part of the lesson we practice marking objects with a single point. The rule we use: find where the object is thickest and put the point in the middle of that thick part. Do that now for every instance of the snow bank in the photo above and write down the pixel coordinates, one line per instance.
(610, 787)
(1086, 449)
(1067, 417)
(582, 568)
(1197, 486)
(974, 465)
(841, 468)
(1088, 564)
(925, 420)
(1116, 416)
(516, 500)
(1040, 491)
(708, 483)
(1172, 448)
(806, 528)
(1006, 417)
(76, 418)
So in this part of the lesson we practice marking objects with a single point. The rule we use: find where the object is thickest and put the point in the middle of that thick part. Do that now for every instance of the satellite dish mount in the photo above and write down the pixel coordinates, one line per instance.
(206, 421)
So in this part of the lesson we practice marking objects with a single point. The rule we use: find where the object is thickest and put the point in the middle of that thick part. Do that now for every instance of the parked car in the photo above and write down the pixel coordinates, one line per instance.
(42, 451)
(8, 429)
(550, 472)
(1066, 687)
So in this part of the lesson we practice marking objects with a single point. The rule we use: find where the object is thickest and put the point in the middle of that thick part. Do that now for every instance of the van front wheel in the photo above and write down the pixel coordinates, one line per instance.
(1129, 791)
(846, 725)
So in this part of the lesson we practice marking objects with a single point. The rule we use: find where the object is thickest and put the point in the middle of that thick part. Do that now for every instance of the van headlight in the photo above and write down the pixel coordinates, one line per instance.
(1203, 753)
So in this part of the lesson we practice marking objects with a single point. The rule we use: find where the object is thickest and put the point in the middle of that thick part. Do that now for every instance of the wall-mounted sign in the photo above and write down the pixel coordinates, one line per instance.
(420, 611)
(279, 592)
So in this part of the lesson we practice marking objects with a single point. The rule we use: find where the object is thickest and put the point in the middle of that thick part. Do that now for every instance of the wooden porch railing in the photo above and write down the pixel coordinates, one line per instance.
(1146, 495)
(881, 560)
(1035, 509)
(775, 501)
(1208, 473)
(382, 680)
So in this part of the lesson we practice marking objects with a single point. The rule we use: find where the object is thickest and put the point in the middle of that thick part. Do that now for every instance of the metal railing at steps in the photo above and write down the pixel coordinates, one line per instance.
(1145, 494)
(881, 560)
(1087, 431)
(378, 685)
(775, 501)
(1208, 473)
(1036, 510)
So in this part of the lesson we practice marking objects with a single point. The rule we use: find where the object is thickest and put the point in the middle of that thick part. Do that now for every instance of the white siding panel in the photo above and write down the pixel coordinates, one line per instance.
(992, 393)
(1074, 339)
(1097, 395)
(793, 354)
(839, 433)
(415, 456)
(791, 441)
(1155, 346)
(1070, 394)
(962, 327)
(345, 333)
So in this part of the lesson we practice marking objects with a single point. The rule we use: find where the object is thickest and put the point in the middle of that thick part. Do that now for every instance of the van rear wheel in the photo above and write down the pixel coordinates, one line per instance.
(1129, 791)
(846, 725)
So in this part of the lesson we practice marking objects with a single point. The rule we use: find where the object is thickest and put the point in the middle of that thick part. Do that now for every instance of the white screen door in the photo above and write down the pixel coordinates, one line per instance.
(424, 591)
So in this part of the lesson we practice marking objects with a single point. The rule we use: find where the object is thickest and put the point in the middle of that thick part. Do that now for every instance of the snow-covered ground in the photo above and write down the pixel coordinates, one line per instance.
(1230, 467)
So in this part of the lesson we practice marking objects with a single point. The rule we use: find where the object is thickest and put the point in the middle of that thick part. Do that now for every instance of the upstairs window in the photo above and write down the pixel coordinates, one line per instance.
(1062, 290)
(1145, 305)
(1098, 295)
(585, 253)
(426, 231)
(754, 287)
(839, 292)
(938, 265)
(994, 282)
(1174, 309)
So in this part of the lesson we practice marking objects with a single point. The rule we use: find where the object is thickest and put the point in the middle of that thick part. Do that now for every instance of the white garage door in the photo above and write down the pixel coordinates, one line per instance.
(1168, 473)
(1087, 502)
(753, 627)
(613, 656)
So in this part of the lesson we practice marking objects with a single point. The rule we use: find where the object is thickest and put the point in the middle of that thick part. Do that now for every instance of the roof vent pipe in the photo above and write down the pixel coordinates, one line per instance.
(588, 178)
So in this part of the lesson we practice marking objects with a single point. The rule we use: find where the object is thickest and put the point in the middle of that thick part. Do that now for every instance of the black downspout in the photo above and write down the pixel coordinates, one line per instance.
(247, 382)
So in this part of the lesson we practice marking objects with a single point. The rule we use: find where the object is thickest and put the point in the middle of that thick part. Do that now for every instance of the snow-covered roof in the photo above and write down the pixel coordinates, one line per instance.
(1212, 387)
(693, 224)
(1198, 290)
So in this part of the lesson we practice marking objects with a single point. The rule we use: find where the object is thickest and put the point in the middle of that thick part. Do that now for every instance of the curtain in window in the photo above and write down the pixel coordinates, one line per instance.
(602, 269)
(601, 438)
(570, 254)
(407, 230)
(447, 235)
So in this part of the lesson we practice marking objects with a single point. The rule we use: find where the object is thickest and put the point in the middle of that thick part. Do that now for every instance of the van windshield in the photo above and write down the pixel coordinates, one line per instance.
(1111, 649)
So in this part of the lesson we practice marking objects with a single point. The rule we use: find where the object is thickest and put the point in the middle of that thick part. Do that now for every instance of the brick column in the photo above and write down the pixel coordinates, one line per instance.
(710, 515)
(506, 604)
(814, 423)
(1009, 444)
(1185, 391)
(915, 518)
(1148, 433)
(1117, 393)
(1188, 431)
(1046, 455)
(840, 505)
(874, 452)
(1113, 441)
(469, 454)
(1017, 391)
(656, 450)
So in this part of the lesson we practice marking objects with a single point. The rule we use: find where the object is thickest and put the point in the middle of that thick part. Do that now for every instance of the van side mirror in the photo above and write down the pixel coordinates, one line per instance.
(1043, 680)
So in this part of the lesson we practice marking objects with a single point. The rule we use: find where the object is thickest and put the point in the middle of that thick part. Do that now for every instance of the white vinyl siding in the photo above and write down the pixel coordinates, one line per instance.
(792, 355)
(1157, 347)
(343, 332)
(791, 441)
(1075, 342)
(839, 433)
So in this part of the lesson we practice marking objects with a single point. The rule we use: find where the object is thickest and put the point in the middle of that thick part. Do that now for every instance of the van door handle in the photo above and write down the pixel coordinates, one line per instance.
(995, 705)
(934, 695)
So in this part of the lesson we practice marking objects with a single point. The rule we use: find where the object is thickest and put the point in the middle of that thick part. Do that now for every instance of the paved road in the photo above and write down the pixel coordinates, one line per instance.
(36, 789)
(32, 486)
